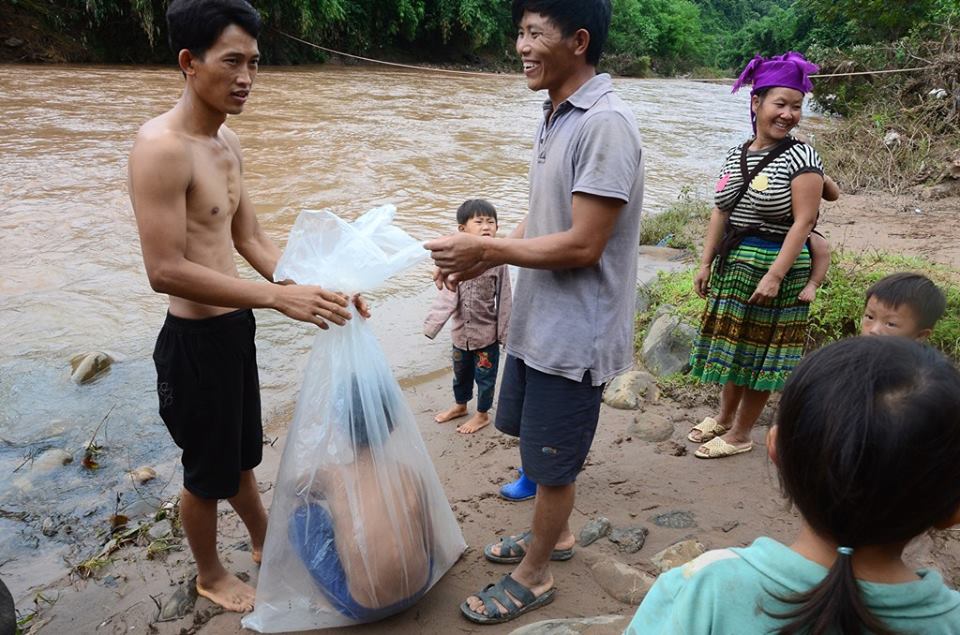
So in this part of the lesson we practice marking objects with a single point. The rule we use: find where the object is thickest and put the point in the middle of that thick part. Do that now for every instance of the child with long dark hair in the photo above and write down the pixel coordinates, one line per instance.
(867, 444)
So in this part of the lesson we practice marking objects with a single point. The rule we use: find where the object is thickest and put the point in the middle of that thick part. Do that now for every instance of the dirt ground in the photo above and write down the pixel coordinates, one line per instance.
(909, 224)
(627, 480)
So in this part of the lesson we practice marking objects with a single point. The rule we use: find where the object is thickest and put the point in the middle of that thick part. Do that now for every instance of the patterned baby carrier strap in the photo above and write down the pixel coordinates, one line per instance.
(732, 234)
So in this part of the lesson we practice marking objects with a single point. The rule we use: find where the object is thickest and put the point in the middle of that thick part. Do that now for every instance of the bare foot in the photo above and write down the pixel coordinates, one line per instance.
(229, 592)
(257, 555)
(737, 441)
(808, 293)
(699, 437)
(459, 410)
(476, 422)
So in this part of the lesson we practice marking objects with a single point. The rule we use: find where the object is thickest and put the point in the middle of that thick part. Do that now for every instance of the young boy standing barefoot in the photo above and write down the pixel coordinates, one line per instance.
(192, 209)
(480, 311)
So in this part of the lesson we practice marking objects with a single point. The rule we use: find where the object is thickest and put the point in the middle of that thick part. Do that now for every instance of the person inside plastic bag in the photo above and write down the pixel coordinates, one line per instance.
(363, 530)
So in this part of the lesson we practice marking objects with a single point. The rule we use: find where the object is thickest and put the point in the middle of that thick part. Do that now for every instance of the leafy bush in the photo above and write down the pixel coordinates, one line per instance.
(836, 312)
(899, 129)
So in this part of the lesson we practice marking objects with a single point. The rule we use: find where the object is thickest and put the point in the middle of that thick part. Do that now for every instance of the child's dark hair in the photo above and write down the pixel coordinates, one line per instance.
(196, 24)
(473, 208)
(570, 16)
(366, 434)
(868, 449)
(914, 290)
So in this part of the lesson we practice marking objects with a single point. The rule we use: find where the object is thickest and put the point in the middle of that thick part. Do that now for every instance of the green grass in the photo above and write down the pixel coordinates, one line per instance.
(839, 305)
(683, 224)
(836, 312)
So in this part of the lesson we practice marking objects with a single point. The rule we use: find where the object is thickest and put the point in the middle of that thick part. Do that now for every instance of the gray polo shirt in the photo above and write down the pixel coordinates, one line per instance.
(567, 322)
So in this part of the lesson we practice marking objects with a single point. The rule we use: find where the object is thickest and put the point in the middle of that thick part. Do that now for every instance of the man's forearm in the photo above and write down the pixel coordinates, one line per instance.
(262, 254)
(201, 284)
(562, 250)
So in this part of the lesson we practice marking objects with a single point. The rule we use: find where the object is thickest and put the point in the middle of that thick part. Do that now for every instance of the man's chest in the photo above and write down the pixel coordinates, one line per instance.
(216, 187)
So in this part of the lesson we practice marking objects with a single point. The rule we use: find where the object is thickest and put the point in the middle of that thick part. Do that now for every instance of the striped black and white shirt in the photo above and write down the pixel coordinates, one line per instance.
(767, 204)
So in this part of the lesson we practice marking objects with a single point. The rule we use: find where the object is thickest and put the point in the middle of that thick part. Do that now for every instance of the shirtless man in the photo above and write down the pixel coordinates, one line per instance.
(186, 186)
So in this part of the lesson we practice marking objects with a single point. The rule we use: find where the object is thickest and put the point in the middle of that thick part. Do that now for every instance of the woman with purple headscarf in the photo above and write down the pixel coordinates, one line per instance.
(755, 259)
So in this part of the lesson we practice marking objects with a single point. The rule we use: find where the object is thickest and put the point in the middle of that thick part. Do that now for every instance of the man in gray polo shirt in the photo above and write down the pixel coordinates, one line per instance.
(572, 324)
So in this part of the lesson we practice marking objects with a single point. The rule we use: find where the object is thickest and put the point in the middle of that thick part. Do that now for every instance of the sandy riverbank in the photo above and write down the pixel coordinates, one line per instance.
(626, 479)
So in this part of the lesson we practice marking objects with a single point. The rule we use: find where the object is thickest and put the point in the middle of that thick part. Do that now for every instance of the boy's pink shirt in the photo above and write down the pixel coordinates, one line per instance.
(479, 310)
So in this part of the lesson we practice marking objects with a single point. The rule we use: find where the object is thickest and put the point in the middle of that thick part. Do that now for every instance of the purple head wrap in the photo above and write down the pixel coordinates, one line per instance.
(790, 70)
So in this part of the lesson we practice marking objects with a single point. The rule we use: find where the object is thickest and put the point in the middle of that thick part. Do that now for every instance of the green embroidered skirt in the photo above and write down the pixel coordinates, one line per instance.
(752, 345)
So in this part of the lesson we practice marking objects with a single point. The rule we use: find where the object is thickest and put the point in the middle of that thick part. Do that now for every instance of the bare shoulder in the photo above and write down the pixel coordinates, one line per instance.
(160, 145)
(231, 138)
(160, 167)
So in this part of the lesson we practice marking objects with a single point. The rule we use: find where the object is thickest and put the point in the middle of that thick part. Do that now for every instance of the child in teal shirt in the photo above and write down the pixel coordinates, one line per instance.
(867, 443)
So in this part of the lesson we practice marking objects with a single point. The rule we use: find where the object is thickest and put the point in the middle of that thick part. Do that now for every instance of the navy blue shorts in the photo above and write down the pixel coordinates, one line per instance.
(209, 392)
(554, 417)
(312, 534)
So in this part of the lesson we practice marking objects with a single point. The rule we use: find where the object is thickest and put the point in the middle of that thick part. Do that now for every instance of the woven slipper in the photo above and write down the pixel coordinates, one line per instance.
(717, 448)
(708, 429)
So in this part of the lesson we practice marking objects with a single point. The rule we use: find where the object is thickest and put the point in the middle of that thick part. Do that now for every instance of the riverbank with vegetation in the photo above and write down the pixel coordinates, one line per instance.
(892, 142)
(872, 235)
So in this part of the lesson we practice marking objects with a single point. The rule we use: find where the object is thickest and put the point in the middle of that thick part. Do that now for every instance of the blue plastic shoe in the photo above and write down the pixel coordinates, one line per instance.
(520, 490)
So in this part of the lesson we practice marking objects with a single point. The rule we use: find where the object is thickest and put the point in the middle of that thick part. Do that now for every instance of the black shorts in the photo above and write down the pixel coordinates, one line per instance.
(209, 392)
(554, 417)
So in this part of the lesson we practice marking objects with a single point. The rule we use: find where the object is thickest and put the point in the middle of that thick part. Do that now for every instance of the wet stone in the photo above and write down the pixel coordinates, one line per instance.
(631, 390)
(49, 527)
(675, 520)
(160, 530)
(181, 603)
(51, 459)
(666, 348)
(594, 531)
(651, 427)
(678, 554)
(89, 366)
(629, 539)
(143, 474)
(621, 581)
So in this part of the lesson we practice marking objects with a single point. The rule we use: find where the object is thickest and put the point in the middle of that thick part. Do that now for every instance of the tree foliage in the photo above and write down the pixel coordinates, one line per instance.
(670, 36)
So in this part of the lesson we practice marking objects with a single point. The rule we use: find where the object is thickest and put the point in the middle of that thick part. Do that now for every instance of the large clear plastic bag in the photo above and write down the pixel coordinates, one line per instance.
(359, 527)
